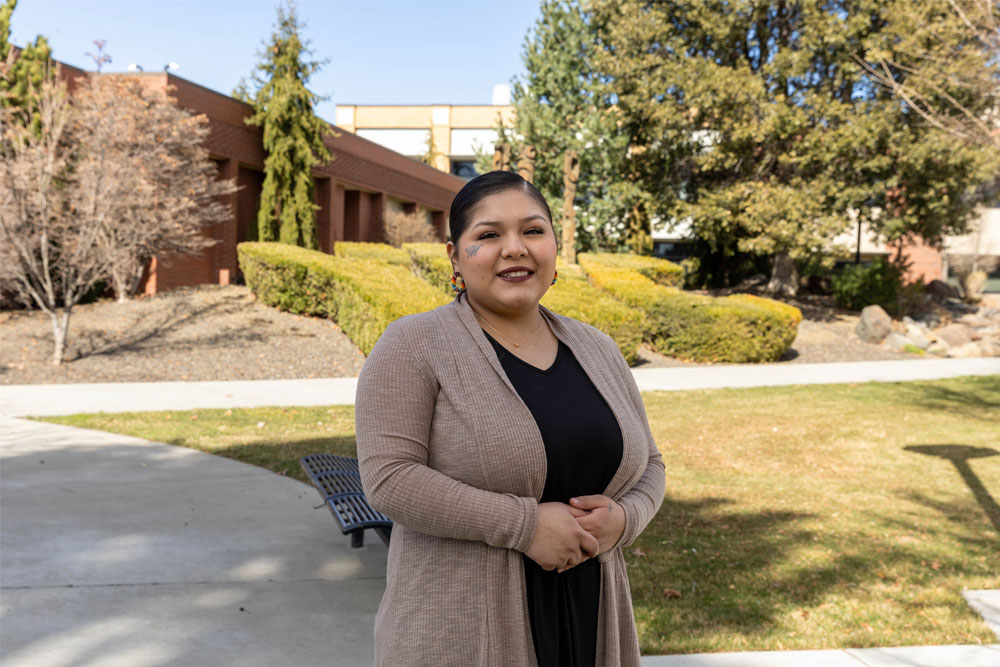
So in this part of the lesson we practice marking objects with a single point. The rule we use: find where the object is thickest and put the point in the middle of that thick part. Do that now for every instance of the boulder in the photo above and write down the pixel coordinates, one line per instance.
(941, 290)
(873, 325)
(974, 320)
(919, 339)
(965, 351)
(955, 335)
(896, 341)
(989, 347)
(937, 347)
(958, 306)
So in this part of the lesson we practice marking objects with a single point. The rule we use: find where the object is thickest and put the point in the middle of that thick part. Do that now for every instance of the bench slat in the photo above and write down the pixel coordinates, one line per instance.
(338, 481)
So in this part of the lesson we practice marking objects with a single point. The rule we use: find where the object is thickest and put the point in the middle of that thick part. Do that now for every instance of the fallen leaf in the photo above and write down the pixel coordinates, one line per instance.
(805, 613)
(671, 593)
(638, 552)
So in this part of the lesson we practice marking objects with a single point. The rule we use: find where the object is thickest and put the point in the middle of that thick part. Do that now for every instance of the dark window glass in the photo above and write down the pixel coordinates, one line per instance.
(464, 169)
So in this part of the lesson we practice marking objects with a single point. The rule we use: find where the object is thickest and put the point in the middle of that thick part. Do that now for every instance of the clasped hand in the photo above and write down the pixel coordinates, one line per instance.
(568, 534)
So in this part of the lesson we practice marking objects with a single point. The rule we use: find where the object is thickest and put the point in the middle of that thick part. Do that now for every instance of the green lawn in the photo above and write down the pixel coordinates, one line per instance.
(795, 517)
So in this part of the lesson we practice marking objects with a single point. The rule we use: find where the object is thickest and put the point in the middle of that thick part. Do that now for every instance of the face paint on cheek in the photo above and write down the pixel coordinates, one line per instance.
(473, 249)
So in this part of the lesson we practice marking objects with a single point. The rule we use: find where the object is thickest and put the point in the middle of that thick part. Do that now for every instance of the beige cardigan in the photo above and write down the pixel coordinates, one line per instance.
(449, 451)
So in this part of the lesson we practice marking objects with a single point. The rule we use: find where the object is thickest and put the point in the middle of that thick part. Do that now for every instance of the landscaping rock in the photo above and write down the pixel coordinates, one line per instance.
(959, 306)
(955, 335)
(919, 339)
(965, 351)
(941, 290)
(912, 324)
(938, 347)
(897, 341)
(989, 347)
(973, 320)
(874, 325)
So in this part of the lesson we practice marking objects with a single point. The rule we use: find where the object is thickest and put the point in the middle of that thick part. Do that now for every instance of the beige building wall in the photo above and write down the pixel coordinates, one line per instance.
(452, 132)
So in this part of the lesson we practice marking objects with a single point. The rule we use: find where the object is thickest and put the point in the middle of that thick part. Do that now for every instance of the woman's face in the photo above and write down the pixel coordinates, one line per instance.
(506, 254)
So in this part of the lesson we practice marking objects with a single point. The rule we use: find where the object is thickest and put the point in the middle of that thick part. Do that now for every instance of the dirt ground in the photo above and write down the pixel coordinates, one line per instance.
(217, 332)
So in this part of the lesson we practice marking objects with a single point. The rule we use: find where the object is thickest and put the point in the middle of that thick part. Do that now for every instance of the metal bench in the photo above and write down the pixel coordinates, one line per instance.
(339, 483)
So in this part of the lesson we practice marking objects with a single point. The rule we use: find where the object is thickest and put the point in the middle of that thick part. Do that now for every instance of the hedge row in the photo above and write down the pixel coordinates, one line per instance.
(362, 296)
(431, 263)
(381, 252)
(739, 329)
(660, 271)
(572, 296)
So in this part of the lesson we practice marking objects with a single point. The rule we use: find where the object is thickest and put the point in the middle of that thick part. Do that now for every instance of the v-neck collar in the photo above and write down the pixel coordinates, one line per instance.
(561, 351)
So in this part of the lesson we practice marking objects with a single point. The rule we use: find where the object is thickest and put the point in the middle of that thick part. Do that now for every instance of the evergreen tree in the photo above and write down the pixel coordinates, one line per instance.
(293, 135)
(24, 73)
(558, 107)
(756, 122)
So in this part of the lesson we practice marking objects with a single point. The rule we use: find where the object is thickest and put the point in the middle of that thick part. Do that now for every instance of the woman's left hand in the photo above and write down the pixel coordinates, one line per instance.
(603, 518)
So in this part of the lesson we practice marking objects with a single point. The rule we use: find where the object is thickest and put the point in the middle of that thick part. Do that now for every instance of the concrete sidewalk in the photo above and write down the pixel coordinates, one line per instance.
(123, 552)
(62, 399)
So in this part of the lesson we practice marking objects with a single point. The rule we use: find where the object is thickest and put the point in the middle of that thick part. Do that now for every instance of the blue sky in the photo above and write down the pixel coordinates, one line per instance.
(379, 51)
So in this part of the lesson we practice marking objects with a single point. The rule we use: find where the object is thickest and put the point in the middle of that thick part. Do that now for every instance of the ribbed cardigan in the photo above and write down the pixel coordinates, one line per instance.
(450, 452)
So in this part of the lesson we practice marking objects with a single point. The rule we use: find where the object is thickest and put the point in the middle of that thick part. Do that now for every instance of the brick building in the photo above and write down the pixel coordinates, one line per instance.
(353, 191)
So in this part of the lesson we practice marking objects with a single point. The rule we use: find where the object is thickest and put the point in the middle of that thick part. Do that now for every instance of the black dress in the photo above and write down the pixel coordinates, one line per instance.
(583, 449)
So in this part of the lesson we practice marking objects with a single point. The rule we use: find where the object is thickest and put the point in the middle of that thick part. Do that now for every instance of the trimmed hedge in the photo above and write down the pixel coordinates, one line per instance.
(430, 261)
(572, 296)
(377, 251)
(658, 270)
(576, 298)
(363, 296)
(739, 328)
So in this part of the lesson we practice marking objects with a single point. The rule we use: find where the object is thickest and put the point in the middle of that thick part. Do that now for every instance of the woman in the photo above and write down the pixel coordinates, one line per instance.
(510, 446)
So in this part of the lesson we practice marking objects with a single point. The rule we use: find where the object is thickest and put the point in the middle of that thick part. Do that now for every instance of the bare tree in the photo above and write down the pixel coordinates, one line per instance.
(945, 65)
(48, 255)
(143, 177)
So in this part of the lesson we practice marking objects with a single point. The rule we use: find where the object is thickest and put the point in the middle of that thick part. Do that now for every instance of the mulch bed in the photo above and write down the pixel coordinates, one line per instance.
(218, 332)
(210, 332)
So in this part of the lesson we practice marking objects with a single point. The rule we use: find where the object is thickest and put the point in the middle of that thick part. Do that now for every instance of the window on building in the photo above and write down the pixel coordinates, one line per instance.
(464, 169)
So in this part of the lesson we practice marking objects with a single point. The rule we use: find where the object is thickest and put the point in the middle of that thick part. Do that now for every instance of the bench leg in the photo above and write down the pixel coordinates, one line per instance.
(358, 538)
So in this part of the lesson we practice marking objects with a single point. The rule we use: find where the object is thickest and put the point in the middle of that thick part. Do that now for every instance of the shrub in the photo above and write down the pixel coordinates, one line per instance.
(430, 261)
(377, 251)
(575, 297)
(859, 285)
(362, 295)
(403, 228)
(658, 270)
(739, 329)
(572, 296)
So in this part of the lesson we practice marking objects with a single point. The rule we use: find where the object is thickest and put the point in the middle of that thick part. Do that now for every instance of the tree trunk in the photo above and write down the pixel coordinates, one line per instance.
(784, 276)
(59, 329)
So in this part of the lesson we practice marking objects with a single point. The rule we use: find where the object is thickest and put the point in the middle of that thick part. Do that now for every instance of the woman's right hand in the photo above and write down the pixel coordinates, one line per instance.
(559, 542)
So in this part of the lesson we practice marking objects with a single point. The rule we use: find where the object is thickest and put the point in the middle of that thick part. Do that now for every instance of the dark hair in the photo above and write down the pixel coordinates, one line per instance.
(481, 187)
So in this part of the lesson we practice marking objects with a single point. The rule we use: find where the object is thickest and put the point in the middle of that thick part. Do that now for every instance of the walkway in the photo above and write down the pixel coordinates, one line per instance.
(59, 399)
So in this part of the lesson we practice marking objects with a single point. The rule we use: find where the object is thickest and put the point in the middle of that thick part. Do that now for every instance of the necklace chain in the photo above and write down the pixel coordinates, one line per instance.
(518, 345)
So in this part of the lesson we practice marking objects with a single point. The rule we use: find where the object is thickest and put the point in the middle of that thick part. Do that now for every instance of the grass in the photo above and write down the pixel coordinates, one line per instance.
(802, 517)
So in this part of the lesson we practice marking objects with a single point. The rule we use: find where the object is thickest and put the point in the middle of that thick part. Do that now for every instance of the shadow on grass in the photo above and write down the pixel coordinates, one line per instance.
(706, 576)
(699, 549)
(959, 456)
(979, 399)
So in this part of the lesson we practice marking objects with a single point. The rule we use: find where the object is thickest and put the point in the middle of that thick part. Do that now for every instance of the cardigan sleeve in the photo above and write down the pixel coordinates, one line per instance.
(394, 407)
(643, 500)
